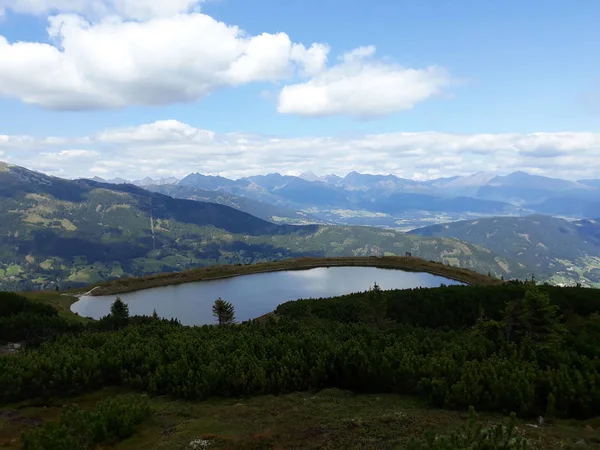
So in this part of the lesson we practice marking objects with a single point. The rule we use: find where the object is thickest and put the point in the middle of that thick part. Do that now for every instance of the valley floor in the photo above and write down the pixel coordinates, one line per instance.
(329, 419)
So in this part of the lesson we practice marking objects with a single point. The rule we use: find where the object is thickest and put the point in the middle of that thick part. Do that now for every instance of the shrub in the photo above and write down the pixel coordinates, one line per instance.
(113, 419)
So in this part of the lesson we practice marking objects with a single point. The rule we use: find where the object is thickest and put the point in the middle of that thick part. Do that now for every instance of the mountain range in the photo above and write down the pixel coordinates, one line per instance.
(388, 200)
(76, 232)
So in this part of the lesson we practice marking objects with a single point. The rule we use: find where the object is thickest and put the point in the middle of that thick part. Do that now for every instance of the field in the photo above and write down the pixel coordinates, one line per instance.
(60, 301)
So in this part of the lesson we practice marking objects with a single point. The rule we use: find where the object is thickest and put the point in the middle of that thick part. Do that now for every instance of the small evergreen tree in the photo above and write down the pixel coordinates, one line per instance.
(376, 307)
(542, 318)
(534, 317)
(223, 311)
(119, 309)
(154, 314)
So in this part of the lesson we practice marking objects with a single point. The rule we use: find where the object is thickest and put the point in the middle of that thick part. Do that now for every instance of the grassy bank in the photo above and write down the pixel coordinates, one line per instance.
(60, 301)
(225, 271)
(328, 419)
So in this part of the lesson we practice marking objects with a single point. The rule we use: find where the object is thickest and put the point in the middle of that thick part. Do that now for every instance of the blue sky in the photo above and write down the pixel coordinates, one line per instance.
(506, 69)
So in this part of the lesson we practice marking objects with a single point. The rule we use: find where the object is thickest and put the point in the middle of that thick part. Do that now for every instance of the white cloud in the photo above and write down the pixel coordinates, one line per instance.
(115, 63)
(104, 54)
(129, 9)
(361, 86)
(172, 148)
(157, 132)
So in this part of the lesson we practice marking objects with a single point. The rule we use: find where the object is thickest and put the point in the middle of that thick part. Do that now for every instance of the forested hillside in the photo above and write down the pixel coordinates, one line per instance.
(56, 232)
(263, 210)
(553, 249)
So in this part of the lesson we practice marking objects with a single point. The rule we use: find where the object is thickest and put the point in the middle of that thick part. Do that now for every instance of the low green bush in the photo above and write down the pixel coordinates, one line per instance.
(112, 420)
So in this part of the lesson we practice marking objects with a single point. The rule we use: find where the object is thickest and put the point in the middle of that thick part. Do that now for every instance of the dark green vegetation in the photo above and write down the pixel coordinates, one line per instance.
(22, 319)
(112, 420)
(74, 233)
(553, 249)
(327, 419)
(512, 347)
(223, 311)
(214, 272)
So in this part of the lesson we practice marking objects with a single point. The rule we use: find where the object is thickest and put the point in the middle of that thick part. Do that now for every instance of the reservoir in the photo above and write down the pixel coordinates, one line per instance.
(255, 295)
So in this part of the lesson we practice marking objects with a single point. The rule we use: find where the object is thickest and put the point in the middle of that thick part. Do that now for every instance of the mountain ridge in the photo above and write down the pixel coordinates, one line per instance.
(77, 232)
(561, 251)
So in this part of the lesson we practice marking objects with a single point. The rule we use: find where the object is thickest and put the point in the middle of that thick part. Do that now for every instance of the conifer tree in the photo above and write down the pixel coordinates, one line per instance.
(119, 309)
(533, 316)
(223, 311)
(376, 306)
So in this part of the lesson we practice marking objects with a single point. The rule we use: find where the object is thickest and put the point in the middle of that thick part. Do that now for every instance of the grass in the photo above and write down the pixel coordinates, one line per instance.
(13, 270)
(224, 271)
(59, 301)
(329, 419)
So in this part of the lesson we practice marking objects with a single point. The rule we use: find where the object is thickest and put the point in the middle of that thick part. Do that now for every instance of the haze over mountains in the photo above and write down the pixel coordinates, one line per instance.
(387, 200)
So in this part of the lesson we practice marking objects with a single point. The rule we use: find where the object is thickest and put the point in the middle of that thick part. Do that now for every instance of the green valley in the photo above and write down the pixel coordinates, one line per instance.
(56, 232)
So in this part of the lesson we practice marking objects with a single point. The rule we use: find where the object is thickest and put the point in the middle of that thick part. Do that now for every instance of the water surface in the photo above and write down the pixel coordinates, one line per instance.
(257, 294)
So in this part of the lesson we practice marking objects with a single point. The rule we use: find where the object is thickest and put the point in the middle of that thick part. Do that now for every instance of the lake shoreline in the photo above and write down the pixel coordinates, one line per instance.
(408, 264)
(257, 294)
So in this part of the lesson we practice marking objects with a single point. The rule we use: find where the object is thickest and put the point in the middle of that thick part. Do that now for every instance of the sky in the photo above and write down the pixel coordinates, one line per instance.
(416, 88)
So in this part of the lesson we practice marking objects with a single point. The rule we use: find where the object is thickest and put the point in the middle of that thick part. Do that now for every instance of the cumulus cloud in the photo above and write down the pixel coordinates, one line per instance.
(103, 54)
(115, 63)
(157, 132)
(172, 148)
(129, 9)
(360, 85)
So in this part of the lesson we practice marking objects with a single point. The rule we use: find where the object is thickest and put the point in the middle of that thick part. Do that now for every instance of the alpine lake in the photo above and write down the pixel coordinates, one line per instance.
(257, 294)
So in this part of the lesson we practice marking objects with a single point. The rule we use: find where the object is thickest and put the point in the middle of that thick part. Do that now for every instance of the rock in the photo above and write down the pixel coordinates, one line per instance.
(589, 429)
(580, 444)
(199, 444)
(10, 348)
(541, 421)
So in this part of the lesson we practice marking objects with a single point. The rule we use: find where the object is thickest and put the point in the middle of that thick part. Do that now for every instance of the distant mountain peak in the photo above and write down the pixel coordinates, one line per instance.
(309, 176)
(478, 178)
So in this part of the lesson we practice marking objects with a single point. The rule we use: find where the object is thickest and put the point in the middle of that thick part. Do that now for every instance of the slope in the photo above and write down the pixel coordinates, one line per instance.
(553, 249)
(78, 232)
(262, 210)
